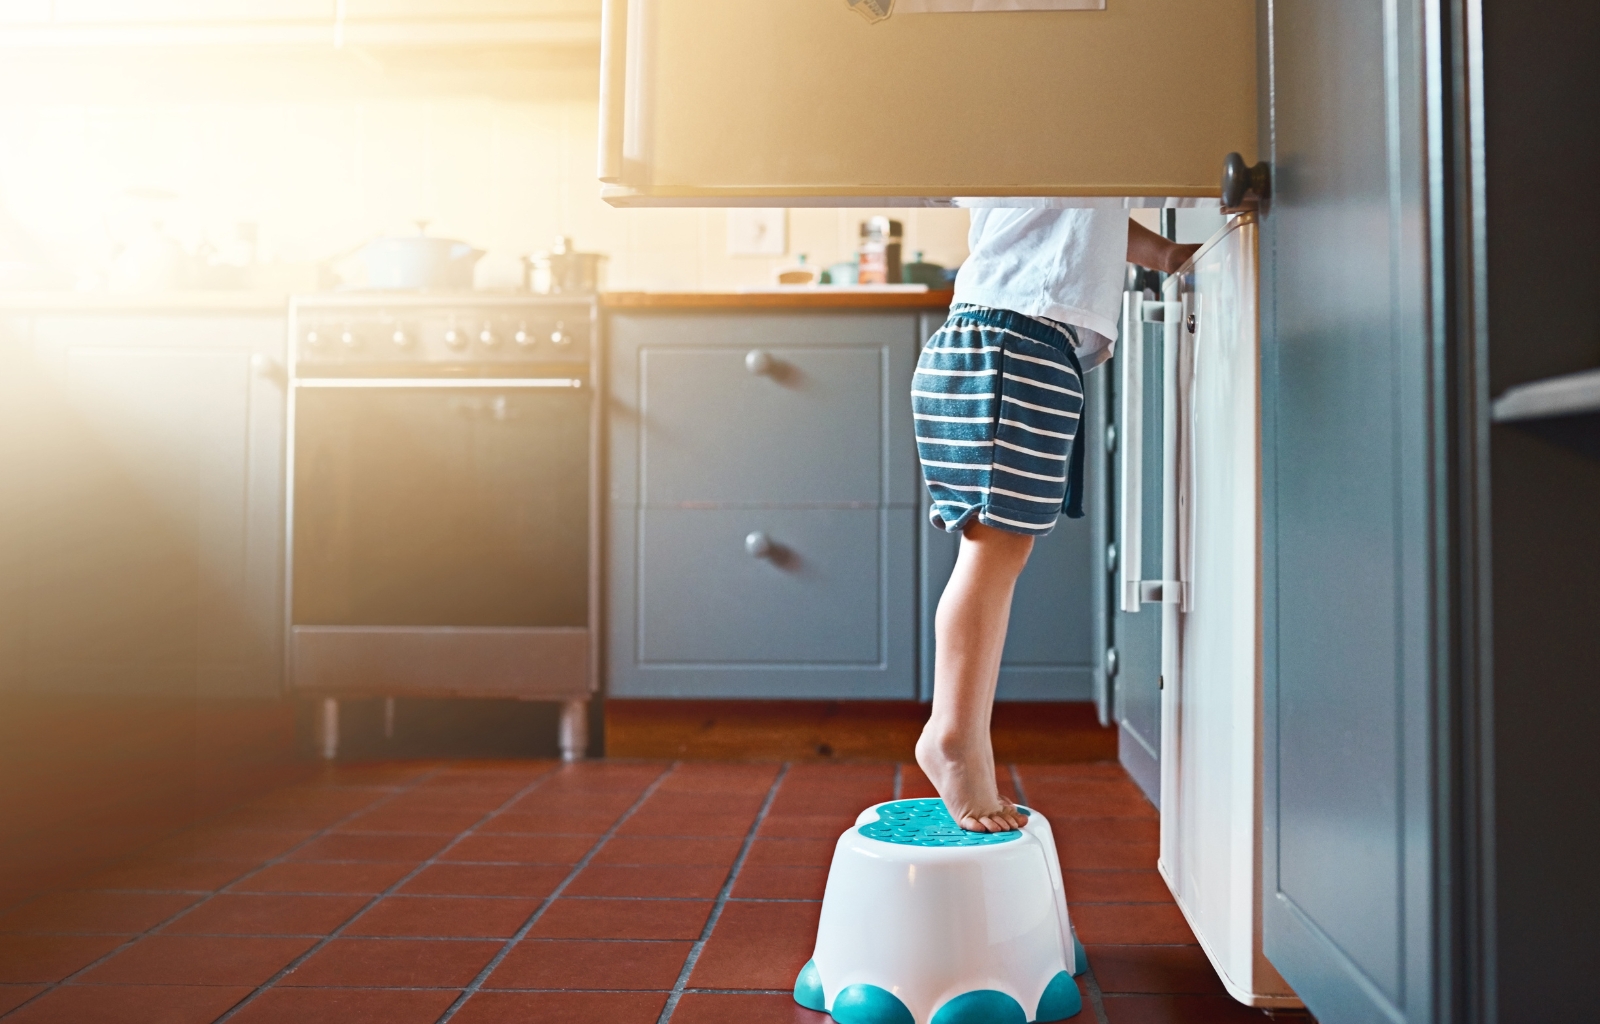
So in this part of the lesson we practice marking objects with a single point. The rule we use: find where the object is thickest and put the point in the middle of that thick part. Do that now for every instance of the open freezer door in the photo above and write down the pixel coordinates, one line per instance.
(796, 102)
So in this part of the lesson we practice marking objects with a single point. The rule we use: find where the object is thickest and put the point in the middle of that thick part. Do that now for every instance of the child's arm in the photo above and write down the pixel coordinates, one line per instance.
(1149, 249)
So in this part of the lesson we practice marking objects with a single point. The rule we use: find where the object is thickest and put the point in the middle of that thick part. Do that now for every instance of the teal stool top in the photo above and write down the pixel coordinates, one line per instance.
(926, 822)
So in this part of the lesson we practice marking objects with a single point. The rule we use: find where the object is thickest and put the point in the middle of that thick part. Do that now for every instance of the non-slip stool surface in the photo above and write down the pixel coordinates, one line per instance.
(926, 923)
(927, 822)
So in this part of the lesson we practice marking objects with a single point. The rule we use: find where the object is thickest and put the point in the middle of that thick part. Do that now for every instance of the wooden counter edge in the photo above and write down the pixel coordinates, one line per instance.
(819, 299)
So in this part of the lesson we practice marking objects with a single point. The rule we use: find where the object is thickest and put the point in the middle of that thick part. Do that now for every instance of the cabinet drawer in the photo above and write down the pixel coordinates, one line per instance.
(807, 429)
(817, 598)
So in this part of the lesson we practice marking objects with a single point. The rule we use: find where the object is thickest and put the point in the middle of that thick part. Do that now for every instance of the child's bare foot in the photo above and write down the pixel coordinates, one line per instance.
(963, 773)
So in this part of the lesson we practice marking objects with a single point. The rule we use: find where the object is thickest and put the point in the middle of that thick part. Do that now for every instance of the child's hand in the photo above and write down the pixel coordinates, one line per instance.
(1149, 249)
(1177, 255)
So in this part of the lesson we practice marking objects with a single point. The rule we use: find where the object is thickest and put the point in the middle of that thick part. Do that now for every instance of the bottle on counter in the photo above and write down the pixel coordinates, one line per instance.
(878, 258)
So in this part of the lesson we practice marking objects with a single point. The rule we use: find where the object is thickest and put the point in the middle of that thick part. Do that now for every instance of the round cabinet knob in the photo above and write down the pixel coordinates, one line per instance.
(487, 338)
(757, 544)
(454, 339)
(350, 339)
(522, 337)
(400, 339)
(759, 362)
(313, 339)
(264, 366)
(560, 337)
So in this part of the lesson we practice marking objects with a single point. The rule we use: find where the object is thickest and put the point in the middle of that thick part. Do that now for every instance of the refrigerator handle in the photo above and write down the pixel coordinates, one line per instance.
(1130, 557)
(1136, 312)
(613, 87)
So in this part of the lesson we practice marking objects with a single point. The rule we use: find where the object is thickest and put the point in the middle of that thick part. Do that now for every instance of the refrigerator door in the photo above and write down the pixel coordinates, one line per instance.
(724, 102)
(1211, 640)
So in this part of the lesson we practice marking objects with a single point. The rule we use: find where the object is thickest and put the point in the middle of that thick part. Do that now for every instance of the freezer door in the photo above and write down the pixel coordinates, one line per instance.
(724, 102)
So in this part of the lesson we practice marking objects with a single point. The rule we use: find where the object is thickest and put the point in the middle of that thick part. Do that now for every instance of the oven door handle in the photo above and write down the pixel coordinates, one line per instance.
(495, 383)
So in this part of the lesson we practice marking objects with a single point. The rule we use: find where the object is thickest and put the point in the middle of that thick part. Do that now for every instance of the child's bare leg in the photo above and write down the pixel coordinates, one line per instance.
(969, 634)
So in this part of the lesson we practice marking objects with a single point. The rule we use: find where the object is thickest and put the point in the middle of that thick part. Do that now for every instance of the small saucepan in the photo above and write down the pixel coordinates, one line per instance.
(562, 271)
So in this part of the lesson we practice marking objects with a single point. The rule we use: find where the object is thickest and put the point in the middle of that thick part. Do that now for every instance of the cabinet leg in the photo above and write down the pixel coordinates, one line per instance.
(330, 728)
(574, 730)
(388, 718)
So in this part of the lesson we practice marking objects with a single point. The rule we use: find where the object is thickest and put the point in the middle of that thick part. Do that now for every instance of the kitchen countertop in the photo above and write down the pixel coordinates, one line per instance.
(809, 298)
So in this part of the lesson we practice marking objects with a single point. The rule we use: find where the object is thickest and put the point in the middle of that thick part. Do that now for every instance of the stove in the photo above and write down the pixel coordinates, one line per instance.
(443, 501)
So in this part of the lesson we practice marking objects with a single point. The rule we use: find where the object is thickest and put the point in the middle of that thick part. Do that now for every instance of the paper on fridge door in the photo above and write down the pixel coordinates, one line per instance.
(877, 10)
(872, 10)
(972, 6)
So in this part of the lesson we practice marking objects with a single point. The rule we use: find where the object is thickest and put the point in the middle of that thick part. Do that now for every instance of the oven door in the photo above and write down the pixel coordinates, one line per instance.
(440, 537)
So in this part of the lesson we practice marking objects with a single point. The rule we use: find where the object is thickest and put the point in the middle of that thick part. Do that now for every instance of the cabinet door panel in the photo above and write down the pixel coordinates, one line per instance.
(817, 598)
(158, 561)
(807, 431)
(1352, 495)
(832, 425)
(692, 614)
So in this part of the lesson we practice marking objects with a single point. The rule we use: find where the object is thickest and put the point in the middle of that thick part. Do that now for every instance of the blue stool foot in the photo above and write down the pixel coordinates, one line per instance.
(1080, 958)
(808, 988)
(1061, 999)
(984, 1006)
(869, 1004)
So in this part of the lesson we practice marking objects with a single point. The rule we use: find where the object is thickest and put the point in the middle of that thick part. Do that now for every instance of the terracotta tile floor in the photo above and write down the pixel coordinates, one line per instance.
(616, 892)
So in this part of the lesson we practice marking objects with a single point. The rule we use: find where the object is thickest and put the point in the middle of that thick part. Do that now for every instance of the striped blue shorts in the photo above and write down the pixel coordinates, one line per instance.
(997, 401)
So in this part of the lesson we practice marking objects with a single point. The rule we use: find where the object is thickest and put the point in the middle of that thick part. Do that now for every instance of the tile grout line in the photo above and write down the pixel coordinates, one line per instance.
(476, 983)
(1097, 1001)
(1016, 784)
(212, 894)
(699, 946)
(322, 943)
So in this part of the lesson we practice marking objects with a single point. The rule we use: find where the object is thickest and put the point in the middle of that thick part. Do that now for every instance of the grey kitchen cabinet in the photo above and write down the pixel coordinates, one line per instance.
(1356, 503)
(762, 504)
(1055, 644)
(149, 540)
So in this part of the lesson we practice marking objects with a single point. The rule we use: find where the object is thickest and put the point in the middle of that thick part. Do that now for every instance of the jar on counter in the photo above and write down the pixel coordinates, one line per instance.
(878, 258)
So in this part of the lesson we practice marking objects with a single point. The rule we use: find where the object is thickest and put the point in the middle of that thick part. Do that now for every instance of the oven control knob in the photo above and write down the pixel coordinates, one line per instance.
(313, 339)
(455, 339)
(400, 339)
(560, 337)
(488, 338)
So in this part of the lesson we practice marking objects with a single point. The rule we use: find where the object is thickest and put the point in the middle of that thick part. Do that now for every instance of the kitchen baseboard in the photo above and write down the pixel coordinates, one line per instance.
(755, 730)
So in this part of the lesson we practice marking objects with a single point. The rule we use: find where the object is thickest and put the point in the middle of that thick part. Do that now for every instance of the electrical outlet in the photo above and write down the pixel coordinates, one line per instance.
(757, 232)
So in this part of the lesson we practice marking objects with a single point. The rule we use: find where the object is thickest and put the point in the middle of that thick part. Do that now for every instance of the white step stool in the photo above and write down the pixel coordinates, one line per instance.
(924, 923)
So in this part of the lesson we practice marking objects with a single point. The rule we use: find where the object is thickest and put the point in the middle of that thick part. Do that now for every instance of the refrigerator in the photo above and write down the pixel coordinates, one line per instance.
(807, 102)
(1200, 364)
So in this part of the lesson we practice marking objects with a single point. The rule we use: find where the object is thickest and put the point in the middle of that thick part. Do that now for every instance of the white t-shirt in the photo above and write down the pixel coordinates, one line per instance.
(1065, 264)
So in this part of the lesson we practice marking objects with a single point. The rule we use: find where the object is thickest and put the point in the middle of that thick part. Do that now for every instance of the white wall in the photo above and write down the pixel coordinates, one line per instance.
(321, 176)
